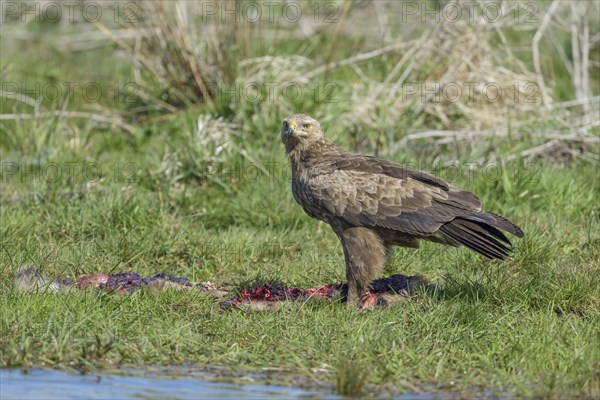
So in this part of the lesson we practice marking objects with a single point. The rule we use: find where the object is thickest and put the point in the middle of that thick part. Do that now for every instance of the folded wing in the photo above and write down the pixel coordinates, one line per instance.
(374, 193)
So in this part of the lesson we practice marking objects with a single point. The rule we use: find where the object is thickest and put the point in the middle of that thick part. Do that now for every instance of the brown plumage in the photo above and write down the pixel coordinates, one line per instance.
(372, 204)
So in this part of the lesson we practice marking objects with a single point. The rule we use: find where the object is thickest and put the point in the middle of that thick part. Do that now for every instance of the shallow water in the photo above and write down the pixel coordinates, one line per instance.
(49, 384)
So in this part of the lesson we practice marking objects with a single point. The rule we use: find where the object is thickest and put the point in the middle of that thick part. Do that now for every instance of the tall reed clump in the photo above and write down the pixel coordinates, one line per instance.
(175, 63)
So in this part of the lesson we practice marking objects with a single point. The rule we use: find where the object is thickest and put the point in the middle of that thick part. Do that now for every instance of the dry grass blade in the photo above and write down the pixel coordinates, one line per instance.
(353, 60)
(535, 50)
(169, 71)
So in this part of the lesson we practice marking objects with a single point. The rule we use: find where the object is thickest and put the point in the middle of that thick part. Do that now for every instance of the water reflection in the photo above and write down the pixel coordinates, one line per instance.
(48, 384)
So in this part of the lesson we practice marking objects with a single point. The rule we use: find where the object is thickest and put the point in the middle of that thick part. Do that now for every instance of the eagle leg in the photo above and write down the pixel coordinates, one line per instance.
(366, 254)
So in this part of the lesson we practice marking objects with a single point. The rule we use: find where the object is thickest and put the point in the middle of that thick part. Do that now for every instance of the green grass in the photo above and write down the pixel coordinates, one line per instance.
(529, 326)
(152, 202)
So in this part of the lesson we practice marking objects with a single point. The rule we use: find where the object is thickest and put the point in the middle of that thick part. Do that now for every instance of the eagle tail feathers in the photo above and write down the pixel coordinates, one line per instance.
(480, 233)
(504, 224)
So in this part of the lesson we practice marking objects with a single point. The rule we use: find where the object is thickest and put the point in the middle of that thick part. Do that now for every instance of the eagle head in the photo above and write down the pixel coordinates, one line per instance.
(300, 129)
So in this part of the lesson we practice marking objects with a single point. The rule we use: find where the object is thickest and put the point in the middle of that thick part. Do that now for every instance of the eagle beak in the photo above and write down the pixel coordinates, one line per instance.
(291, 129)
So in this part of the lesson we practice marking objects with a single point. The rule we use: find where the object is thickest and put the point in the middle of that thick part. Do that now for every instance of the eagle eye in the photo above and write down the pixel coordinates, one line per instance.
(306, 126)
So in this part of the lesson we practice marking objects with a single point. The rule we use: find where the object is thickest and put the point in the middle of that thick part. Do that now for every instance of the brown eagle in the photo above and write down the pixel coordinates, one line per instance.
(372, 204)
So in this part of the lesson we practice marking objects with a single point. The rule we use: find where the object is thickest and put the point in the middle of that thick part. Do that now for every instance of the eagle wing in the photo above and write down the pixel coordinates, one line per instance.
(381, 195)
(369, 192)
